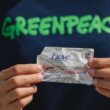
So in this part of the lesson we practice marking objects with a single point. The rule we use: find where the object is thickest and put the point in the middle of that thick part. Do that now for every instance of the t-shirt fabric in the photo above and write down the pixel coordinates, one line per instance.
(27, 26)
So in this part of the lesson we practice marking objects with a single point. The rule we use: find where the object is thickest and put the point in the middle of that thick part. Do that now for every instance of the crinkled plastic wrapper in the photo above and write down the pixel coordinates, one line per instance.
(66, 65)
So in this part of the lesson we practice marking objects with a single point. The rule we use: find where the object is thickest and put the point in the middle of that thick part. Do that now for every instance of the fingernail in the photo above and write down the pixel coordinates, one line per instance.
(90, 62)
(40, 76)
(35, 88)
(95, 81)
(39, 67)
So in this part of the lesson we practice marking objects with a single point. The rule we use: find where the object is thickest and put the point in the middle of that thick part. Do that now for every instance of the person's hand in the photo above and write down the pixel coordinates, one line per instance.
(101, 75)
(17, 85)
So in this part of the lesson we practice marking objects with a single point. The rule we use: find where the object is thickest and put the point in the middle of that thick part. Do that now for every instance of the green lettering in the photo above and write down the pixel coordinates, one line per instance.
(104, 24)
(71, 22)
(20, 26)
(8, 29)
(96, 25)
(58, 25)
(45, 25)
(33, 26)
(84, 23)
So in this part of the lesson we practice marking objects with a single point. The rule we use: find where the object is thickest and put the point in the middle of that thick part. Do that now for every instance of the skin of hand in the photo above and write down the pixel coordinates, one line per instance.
(101, 75)
(17, 85)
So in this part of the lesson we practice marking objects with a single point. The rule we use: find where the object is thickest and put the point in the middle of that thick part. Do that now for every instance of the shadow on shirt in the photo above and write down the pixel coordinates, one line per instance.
(6, 5)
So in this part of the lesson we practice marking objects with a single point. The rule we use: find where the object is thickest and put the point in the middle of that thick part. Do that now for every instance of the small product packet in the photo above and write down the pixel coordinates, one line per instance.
(66, 65)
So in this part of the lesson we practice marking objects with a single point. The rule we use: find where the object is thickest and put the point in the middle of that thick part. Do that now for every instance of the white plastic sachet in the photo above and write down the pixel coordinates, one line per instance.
(66, 65)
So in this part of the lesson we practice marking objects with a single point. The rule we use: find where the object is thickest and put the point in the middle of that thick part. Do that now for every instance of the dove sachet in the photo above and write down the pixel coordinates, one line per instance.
(66, 65)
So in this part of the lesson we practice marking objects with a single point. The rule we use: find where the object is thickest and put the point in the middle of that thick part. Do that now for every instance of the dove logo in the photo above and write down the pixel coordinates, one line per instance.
(57, 56)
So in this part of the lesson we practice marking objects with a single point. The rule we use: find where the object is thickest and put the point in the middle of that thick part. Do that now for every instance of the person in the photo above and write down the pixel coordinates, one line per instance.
(27, 26)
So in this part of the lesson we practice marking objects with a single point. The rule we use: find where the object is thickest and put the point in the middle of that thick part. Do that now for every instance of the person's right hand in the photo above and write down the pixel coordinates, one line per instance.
(17, 85)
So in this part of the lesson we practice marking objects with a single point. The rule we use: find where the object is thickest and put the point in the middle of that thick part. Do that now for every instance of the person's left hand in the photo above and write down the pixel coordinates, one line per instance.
(101, 75)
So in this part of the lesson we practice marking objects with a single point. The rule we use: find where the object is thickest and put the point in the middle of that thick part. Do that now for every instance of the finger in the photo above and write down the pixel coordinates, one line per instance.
(103, 92)
(20, 70)
(20, 104)
(102, 83)
(22, 81)
(101, 73)
(108, 79)
(19, 93)
(99, 62)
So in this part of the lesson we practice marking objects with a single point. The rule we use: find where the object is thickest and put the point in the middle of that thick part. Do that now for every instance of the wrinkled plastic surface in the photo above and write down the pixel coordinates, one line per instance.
(66, 65)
